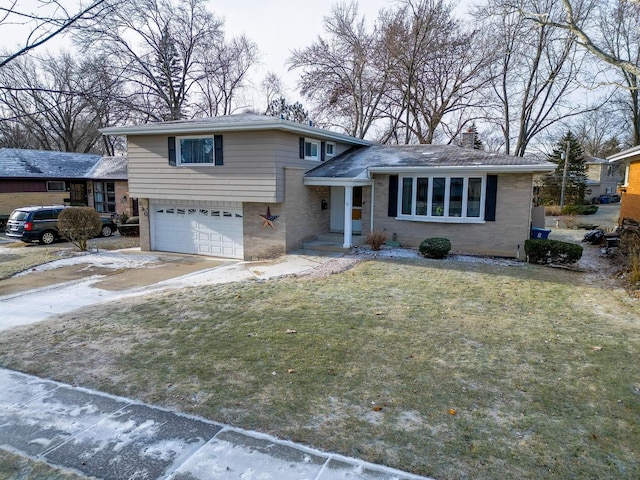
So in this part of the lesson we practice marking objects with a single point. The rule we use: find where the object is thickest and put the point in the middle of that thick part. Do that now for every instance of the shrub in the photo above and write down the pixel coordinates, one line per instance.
(552, 211)
(552, 251)
(131, 228)
(579, 209)
(375, 239)
(78, 225)
(435, 247)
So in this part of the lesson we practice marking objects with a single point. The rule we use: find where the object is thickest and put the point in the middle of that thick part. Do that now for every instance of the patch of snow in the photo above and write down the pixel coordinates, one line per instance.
(113, 260)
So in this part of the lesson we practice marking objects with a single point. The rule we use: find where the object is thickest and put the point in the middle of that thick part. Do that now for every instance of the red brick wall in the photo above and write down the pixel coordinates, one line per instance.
(630, 206)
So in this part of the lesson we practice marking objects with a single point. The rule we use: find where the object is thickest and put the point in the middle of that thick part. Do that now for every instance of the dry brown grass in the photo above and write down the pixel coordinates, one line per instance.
(444, 369)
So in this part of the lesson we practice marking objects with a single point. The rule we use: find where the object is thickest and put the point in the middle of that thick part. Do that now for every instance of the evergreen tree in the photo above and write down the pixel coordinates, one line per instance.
(293, 112)
(576, 179)
(169, 73)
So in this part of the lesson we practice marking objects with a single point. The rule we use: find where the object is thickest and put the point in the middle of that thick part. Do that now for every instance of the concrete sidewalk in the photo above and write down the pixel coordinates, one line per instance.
(108, 437)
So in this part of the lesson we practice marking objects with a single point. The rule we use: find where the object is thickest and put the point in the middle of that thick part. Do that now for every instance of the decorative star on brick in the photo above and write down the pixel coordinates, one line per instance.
(268, 219)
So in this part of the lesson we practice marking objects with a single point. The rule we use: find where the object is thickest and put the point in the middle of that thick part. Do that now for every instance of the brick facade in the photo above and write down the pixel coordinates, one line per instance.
(11, 201)
(504, 237)
(300, 218)
(630, 202)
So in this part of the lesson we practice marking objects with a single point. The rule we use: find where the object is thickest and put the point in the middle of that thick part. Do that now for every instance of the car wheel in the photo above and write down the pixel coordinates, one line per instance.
(106, 231)
(47, 238)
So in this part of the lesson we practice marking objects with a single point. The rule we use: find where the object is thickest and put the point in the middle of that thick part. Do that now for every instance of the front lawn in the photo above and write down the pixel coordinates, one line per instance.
(447, 369)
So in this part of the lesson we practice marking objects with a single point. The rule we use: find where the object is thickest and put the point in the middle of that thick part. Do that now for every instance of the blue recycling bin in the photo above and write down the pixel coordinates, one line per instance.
(540, 233)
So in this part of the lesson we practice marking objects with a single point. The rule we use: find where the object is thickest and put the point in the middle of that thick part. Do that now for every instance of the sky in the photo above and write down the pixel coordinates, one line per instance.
(276, 26)
(280, 26)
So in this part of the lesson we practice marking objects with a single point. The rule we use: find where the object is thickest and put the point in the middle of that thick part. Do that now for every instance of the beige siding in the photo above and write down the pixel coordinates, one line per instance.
(288, 155)
(248, 173)
(253, 169)
(499, 238)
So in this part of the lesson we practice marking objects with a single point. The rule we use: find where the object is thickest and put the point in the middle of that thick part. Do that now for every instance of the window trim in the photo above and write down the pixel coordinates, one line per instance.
(179, 161)
(64, 186)
(102, 206)
(318, 147)
(445, 218)
(333, 145)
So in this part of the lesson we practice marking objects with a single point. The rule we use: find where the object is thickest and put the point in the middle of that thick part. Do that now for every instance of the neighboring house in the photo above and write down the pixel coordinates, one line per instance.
(251, 186)
(629, 163)
(603, 178)
(40, 177)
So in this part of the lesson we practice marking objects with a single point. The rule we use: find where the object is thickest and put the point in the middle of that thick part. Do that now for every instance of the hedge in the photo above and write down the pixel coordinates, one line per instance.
(552, 251)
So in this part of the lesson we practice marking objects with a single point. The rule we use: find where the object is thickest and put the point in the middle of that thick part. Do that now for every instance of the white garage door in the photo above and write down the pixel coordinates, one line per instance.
(201, 229)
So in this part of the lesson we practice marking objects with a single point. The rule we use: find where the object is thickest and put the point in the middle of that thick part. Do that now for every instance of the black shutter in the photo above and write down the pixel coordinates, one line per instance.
(323, 148)
(492, 195)
(217, 141)
(393, 196)
(172, 151)
(301, 147)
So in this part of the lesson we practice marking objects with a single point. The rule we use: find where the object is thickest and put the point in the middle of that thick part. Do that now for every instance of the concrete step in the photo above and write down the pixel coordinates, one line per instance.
(325, 246)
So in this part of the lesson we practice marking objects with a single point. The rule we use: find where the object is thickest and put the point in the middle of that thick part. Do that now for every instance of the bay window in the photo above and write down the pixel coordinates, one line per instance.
(454, 198)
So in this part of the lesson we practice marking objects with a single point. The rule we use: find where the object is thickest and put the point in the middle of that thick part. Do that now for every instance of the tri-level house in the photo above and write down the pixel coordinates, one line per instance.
(251, 186)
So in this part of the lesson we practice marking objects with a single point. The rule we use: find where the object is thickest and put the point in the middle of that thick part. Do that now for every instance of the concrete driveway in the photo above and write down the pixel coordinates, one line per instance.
(106, 276)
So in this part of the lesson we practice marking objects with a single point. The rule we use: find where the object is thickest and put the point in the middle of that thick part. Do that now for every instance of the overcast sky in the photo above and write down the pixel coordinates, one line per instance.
(280, 26)
(276, 26)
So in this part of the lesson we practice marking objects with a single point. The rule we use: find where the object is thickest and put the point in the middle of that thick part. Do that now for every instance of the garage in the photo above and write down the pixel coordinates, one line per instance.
(204, 229)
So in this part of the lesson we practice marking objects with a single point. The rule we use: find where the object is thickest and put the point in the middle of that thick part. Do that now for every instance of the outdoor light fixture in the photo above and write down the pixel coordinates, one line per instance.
(323, 204)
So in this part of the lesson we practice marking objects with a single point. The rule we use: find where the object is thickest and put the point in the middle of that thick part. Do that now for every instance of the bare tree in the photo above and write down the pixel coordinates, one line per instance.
(157, 45)
(51, 19)
(56, 100)
(597, 130)
(576, 21)
(537, 72)
(222, 74)
(343, 75)
(436, 74)
(272, 87)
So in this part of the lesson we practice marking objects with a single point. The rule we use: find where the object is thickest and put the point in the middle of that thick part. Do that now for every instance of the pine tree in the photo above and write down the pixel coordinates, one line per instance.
(169, 68)
(576, 180)
(294, 112)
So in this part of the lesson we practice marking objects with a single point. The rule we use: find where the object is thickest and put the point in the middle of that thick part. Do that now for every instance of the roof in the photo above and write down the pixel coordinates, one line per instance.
(626, 155)
(359, 163)
(228, 123)
(595, 160)
(19, 163)
(110, 168)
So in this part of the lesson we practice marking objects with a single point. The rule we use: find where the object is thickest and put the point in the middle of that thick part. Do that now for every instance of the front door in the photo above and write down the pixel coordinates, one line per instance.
(78, 193)
(337, 210)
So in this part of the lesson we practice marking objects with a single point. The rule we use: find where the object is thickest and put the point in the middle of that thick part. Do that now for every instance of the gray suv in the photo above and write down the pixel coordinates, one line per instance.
(41, 223)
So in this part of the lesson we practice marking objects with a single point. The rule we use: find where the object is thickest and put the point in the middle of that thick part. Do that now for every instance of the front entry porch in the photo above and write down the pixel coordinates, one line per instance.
(333, 242)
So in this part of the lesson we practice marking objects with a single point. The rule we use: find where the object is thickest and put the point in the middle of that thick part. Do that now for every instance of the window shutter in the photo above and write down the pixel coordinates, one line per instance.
(217, 141)
(393, 196)
(172, 151)
(492, 194)
(301, 147)
(323, 148)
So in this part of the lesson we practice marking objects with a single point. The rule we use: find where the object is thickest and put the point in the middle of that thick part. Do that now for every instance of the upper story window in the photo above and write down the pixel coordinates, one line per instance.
(56, 186)
(441, 198)
(331, 149)
(311, 149)
(195, 150)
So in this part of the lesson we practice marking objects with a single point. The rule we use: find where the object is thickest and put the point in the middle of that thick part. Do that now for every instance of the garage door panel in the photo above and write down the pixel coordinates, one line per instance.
(203, 230)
